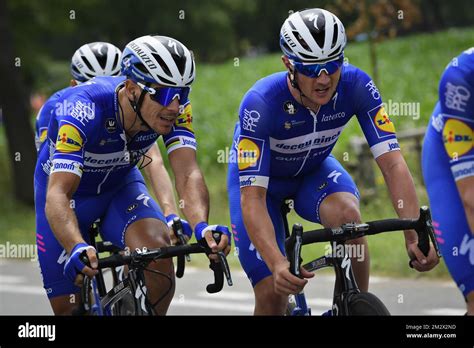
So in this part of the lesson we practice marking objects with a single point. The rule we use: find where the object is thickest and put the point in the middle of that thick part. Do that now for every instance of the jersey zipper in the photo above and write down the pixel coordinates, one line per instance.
(315, 118)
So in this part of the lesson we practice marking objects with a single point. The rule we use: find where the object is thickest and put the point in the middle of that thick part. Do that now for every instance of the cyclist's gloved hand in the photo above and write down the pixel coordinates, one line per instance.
(74, 266)
(203, 230)
(187, 230)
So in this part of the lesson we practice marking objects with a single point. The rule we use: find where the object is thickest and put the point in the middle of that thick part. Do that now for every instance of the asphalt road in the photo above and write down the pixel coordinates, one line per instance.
(21, 293)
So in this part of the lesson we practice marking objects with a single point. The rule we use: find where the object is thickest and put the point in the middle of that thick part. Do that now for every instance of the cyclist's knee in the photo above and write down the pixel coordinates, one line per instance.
(64, 305)
(150, 233)
(339, 209)
(267, 301)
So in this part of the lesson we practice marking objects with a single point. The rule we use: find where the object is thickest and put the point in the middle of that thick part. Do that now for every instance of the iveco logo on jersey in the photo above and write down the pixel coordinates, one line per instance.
(306, 142)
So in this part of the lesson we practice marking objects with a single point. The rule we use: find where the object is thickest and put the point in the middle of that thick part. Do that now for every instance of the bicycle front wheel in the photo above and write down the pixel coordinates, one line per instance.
(365, 303)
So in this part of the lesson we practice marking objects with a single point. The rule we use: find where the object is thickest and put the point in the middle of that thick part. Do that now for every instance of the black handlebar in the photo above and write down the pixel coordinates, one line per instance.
(178, 231)
(141, 258)
(423, 227)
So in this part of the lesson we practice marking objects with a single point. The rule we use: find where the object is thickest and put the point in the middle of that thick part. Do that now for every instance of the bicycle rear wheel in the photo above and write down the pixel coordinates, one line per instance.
(365, 303)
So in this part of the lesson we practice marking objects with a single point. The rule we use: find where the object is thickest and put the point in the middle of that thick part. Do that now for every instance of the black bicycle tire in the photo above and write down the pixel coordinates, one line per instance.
(366, 304)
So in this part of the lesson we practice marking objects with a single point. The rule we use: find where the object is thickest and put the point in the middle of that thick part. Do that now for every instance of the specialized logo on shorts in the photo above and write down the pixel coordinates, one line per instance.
(457, 138)
(69, 139)
(249, 153)
(383, 122)
(185, 119)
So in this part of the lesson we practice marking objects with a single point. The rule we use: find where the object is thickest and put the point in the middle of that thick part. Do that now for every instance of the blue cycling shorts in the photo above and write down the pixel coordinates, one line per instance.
(449, 218)
(117, 209)
(307, 193)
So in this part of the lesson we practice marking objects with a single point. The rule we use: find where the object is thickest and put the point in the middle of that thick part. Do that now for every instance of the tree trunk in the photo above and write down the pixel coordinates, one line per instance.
(15, 109)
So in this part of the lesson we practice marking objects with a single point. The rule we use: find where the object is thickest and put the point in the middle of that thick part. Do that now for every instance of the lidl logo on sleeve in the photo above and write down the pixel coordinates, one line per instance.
(69, 139)
(43, 135)
(383, 122)
(457, 138)
(249, 152)
(186, 119)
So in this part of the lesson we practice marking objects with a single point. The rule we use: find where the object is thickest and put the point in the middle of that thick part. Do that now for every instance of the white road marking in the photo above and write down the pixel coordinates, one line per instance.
(445, 311)
(22, 289)
(230, 307)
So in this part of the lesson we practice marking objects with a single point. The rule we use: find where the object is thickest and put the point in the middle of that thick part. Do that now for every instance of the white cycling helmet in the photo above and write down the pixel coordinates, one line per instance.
(95, 59)
(313, 36)
(158, 59)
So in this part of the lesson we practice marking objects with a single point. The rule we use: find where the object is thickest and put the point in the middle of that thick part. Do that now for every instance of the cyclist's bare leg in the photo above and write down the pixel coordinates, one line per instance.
(267, 301)
(65, 304)
(470, 303)
(339, 208)
(153, 233)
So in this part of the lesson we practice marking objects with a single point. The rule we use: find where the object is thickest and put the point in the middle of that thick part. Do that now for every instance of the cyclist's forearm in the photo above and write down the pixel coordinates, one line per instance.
(194, 196)
(63, 221)
(403, 194)
(260, 230)
(162, 187)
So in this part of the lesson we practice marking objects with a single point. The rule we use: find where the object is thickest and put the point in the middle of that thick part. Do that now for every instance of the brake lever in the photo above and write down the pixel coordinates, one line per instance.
(293, 249)
(225, 267)
(425, 232)
(178, 231)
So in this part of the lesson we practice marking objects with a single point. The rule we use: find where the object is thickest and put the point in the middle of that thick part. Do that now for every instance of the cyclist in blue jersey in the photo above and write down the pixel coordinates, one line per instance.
(89, 60)
(448, 171)
(103, 59)
(288, 125)
(87, 169)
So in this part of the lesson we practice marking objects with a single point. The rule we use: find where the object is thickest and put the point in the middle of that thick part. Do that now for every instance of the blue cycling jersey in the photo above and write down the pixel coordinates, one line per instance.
(278, 137)
(453, 117)
(43, 117)
(85, 137)
(281, 145)
(448, 156)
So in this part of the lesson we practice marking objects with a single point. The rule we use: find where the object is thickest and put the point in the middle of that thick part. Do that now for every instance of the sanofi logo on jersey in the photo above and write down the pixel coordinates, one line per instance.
(457, 138)
(68, 166)
(462, 170)
(306, 142)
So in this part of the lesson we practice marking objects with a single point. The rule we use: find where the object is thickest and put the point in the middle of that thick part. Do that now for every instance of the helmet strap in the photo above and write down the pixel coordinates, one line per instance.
(136, 106)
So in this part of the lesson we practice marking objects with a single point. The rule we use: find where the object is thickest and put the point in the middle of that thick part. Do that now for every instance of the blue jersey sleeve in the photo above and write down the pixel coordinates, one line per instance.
(41, 125)
(376, 124)
(253, 151)
(457, 107)
(182, 134)
(75, 126)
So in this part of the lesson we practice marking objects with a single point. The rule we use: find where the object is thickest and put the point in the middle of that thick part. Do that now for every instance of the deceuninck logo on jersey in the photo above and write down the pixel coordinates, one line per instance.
(457, 138)
(249, 153)
(69, 139)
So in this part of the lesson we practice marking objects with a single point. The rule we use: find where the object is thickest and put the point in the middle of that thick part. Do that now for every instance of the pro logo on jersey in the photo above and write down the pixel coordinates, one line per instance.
(457, 138)
(383, 122)
(249, 153)
(69, 139)
(185, 119)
